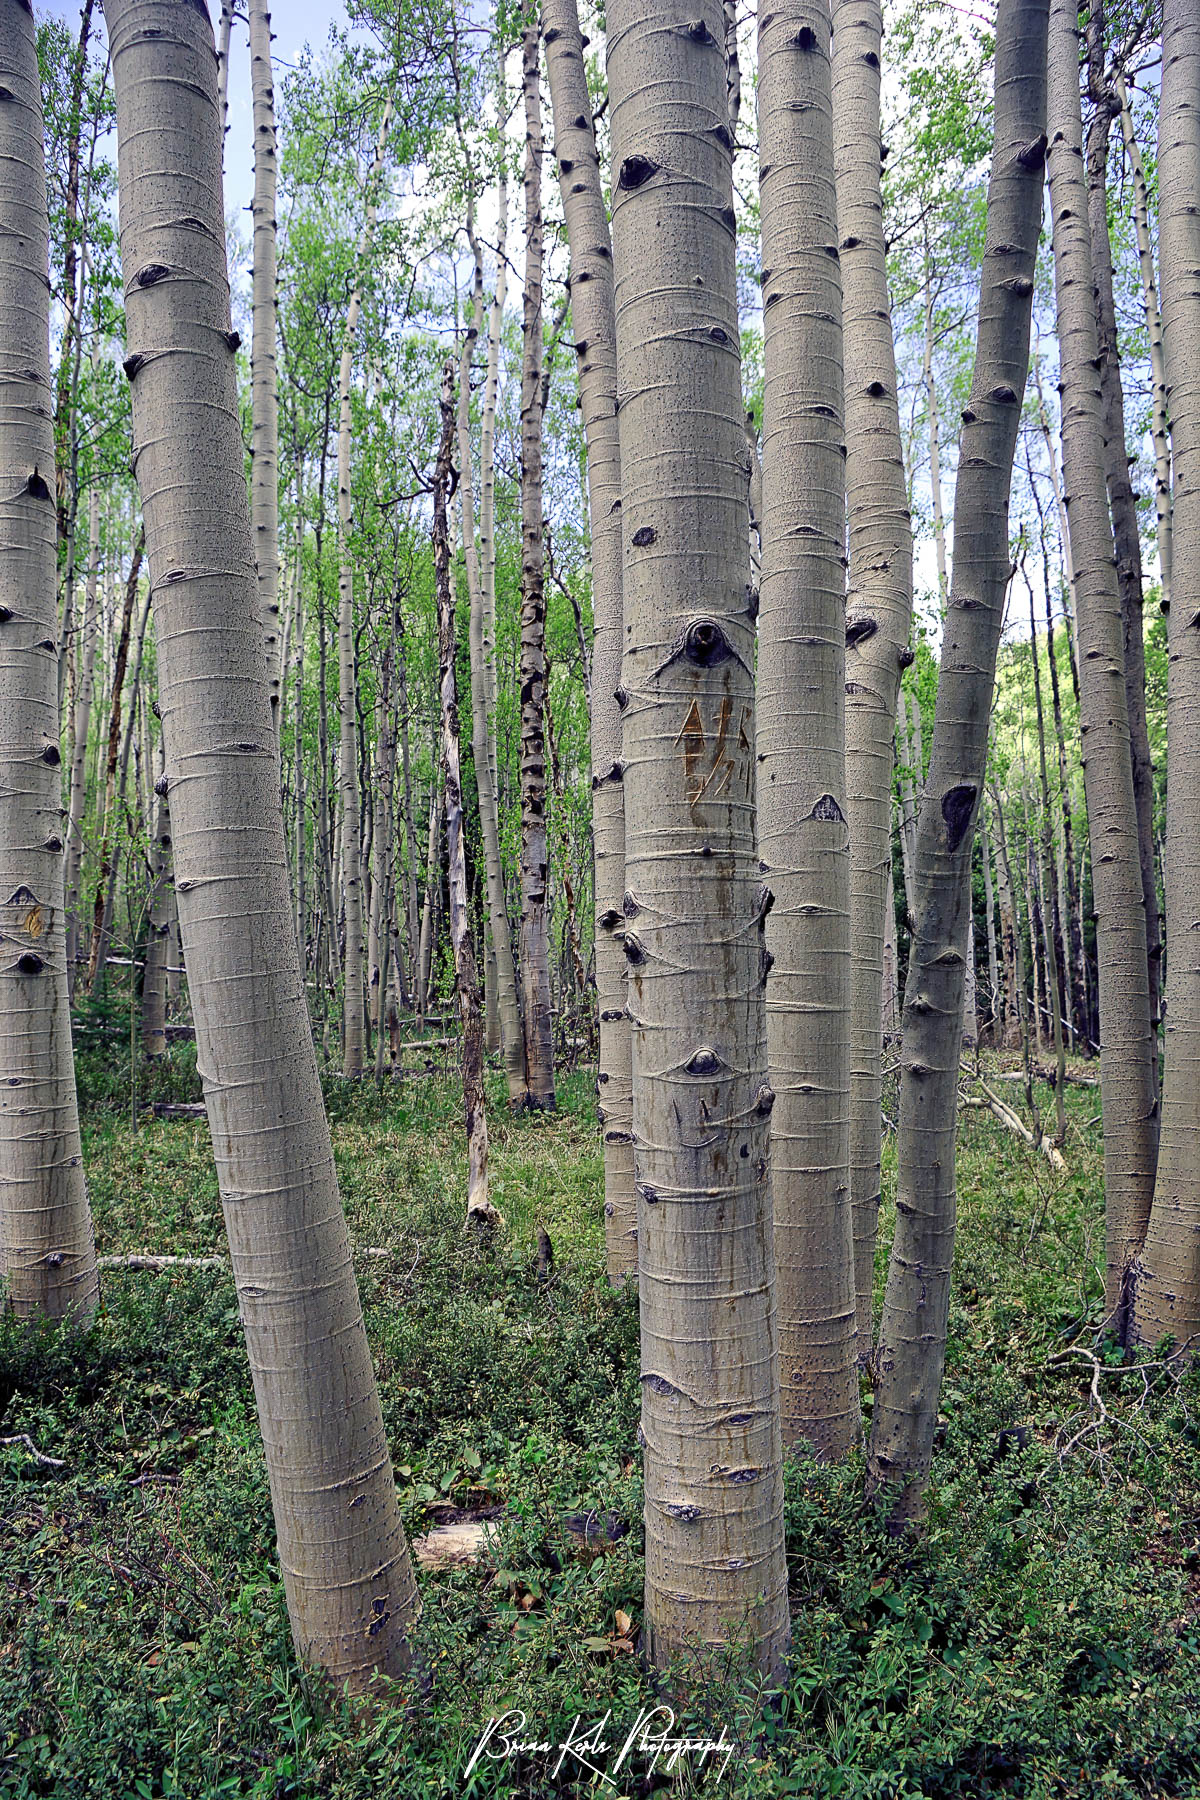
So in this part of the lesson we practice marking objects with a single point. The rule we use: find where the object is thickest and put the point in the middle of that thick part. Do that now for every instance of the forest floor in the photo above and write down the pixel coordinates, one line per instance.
(1042, 1639)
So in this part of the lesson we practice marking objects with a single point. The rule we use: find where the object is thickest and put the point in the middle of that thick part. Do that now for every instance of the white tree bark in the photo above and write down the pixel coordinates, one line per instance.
(1168, 1284)
(804, 843)
(264, 485)
(694, 902)
(593, 320)
(1127, 1086)
(349, 1581)
(47, 1255)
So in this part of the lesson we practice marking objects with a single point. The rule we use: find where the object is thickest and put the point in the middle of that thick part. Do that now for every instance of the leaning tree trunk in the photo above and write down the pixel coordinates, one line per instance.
(480, 1211)
(264, 402)
(535, 910)
(879, 603)
(912, 1334)
(47, 1255)
(354, 988)
(154, 973)
(694, 903)
(593, 321)
(804, 844)
(1168, 1285)
(349, 1582)
(1126, 1035)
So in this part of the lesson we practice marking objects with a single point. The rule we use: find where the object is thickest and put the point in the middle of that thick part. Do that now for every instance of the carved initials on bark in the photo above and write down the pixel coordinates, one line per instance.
(708, 773)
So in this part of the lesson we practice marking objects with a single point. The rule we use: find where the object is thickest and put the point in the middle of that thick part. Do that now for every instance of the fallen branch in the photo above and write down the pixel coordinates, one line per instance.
(1007, 1117)
(39, 1456)
(154, 1264)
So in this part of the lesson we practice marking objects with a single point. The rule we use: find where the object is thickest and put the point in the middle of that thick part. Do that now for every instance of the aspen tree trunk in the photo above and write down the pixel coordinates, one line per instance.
(908, 806)
(535, 911)
(1127, 1063)
(349, 1582)
(1168, 1283)
(935, 442)
(891, 973)
(47, 1254)
(1054, 932)
(879, 602)
(995, 971)
(593, 322)
(733, 67)
(1158, 424)
(108, 848)
(1127, 541)
(264, 485)
(154, 974)
(912, 1334)
(354, 990)
(694, 903)
(511, 1038)
(72, 298)
(84, 691)
(804, 843)
(487, 457)
(480, 1211)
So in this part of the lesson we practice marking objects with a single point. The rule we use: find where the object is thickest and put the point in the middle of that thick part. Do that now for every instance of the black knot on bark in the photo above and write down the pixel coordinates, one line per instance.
(1033, 155)
(698, 31)
(706, 644)
(1003, 395)
(635, 951)
(968, 417)
(828, 809)
(907, 657)
(723, 136)
(644, 536)
(6, 95)
(629, 905)
(860, 627)
(53, 843)
(766, 962)
(635, 172)
(704, 1061)
(160, 786)
(50, 755)
(764, 1100)
(5, 614)
(233, 339)
(958, 808)
(650, 1196)
(37, 487)
(876, 390)
(150, 274)
(611, 919)
(718, 334)
(30, 964)
(752, 603)
(805, 38)
(622, 698)
(763, 905)
(565, 164)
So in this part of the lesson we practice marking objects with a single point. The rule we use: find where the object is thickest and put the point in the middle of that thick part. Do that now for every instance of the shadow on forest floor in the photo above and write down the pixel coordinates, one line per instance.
(1041, 1640)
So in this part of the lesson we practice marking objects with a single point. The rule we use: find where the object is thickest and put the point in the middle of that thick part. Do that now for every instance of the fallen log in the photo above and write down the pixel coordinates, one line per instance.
(1007, 1117)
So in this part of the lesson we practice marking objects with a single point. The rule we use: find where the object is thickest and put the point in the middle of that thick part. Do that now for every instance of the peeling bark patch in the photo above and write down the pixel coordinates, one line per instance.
(958, 806)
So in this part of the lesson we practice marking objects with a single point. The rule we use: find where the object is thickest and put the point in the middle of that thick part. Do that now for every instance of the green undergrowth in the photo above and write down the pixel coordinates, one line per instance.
(1040, 1640)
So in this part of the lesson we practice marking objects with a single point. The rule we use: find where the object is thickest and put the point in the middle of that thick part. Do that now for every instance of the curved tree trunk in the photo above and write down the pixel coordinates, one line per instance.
(354, 991)
(1127, 1060)
(47, 1254)
(350, 1587)
(694, 902)
(264, 485)
(535, 908)
(804, 844)
(1168, 1284)
(912, 1334)
(593, 322)
(879, 602)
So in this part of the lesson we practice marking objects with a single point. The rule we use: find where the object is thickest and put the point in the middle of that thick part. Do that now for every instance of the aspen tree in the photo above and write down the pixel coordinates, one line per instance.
(1158, 424)
(154, 973)
(803, 839)
(47, 1254)
(879, 602)
(694, 902)
(535, 909)
(349, 1582)
(912, 1335)
(1168, 1284)
(593, 321)
(354, 997)
(480, 1211)
(1126, 1034)
(264, 400)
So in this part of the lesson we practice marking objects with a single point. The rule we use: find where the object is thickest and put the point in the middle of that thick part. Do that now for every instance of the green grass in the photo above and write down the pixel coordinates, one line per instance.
(1041, 1640)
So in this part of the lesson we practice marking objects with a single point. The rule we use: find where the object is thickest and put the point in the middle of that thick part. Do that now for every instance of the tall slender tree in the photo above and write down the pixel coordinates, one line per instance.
(535, 862)
(1127, 1084)
(879, 603)
(349, 1581)
(694, 901)
(910, 1356)
(1168, 1284)
(47, 1254)
(264, 397)
(594, 326)
(804, 843)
